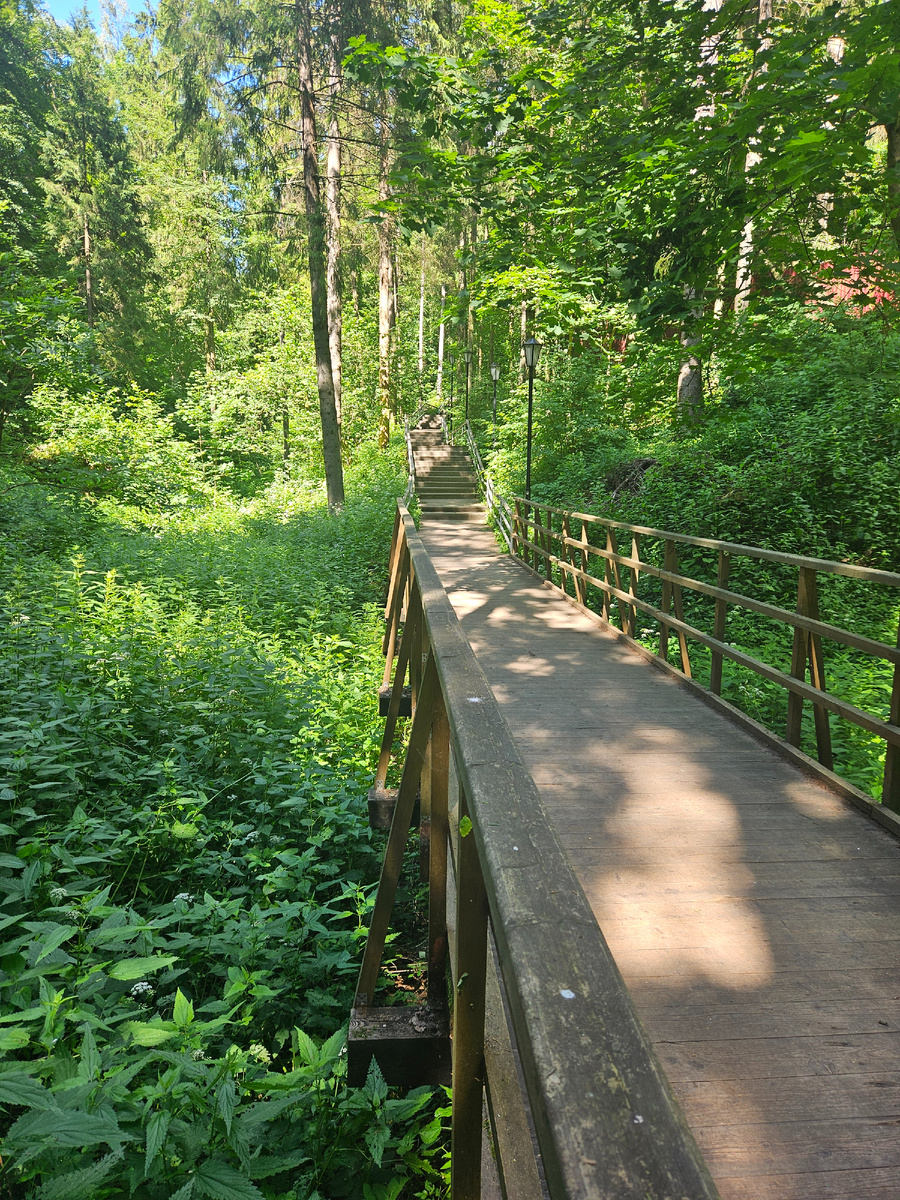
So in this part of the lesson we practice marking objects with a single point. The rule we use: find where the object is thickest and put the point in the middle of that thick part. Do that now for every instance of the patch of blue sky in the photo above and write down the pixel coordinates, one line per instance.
(119, 11)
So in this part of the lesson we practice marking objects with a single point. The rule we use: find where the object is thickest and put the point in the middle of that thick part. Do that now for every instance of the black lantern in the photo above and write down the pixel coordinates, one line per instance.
(532, 351)
(495, 375)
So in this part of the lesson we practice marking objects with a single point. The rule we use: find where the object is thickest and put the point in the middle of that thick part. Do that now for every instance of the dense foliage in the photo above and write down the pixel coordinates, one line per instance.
(187, 739)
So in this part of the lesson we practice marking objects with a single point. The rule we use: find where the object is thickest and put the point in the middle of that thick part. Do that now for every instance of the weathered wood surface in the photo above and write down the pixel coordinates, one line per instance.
(754, 915)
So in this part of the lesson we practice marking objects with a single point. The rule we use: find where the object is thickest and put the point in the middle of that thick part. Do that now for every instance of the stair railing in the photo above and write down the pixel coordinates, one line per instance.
(606, 1121)
(497, 506)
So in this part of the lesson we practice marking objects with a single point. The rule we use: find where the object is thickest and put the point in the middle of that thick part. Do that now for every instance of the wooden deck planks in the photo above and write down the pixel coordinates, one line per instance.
(754, 915)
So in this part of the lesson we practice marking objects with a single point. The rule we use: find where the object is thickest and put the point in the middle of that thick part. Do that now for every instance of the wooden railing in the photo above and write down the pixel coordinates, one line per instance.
(606, 1122)
(542, 536)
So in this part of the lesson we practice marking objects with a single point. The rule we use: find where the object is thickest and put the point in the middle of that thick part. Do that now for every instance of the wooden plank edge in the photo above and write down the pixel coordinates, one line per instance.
(506, 1104)
(845, 790)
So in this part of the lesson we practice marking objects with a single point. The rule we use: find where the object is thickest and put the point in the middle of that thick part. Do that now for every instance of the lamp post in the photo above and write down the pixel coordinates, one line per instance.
(495, 375)
(467, 357)
(532, 351)
(452, 361)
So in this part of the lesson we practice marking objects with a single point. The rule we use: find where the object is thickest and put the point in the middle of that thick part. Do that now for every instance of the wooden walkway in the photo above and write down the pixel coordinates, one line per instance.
(754, 915)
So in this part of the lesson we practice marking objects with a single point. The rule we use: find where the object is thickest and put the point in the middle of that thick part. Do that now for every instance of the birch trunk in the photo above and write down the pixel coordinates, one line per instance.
(422, 319)
(440, 365)
(385, 290)
(318, 283)
(523, 334)
(893, 168)
(88, 282)
(744, 276)
(333, 205)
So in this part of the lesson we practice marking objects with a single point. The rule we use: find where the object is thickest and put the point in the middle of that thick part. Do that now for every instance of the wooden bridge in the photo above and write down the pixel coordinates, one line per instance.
(673, 937)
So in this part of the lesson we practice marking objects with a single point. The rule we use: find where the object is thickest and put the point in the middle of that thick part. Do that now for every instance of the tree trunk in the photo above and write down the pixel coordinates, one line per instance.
(385, 289)
(744, 276)
(440, 365)
(333, 204)
(690, 384)
(523, 334)
(88, 284)
(210, 327)
(422, 320)
(318, 283)
(893, 168)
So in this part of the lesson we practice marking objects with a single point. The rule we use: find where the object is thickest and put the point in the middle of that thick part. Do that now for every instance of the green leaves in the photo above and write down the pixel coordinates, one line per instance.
(54, 938)
(137, 968)
(18, 1088)
(149, 1033)
(184, 1011)
(220, 1181)
(157, 1128)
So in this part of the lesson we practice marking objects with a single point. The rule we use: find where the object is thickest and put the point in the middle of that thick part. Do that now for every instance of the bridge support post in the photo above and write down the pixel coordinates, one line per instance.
(468, 1016)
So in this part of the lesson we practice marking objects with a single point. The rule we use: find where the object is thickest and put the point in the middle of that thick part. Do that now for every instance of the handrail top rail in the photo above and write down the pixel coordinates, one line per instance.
(565, 991)
(785, 558)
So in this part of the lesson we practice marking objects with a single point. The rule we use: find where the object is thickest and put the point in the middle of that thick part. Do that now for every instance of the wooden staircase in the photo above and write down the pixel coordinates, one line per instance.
(445, 479)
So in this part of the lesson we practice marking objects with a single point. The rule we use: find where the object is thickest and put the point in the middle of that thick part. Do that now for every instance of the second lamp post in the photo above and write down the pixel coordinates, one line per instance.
(467, 357)
(495, 375)
(532, 351)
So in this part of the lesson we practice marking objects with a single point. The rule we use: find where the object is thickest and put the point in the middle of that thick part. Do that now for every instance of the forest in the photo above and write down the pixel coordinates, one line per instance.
(239, 245)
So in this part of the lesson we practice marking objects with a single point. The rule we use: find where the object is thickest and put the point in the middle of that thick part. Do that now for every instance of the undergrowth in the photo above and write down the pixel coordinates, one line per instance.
(186, 738)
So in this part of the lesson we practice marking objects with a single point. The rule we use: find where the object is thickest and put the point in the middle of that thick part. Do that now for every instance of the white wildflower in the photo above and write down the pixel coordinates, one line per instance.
(141, 989)
(185, 896)
(259, 1053)
(19, 619)
(58, 894)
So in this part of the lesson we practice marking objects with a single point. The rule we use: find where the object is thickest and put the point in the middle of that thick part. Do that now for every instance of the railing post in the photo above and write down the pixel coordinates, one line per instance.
(606, 606)
(672, 596)
(547, 540)
(633, 585)
(612, 545)
(585, 560)
(808, 646)
(468, 1017)
(516, 528)
(715, 670)
(567, 557)
(890, 795)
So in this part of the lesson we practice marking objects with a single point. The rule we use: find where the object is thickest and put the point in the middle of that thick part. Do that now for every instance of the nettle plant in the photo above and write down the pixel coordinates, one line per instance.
(186, 739)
